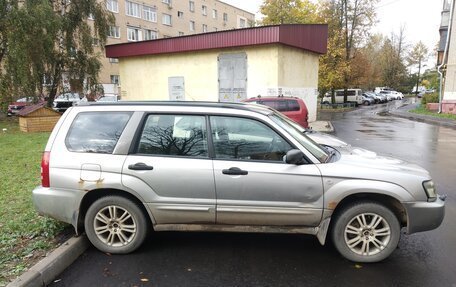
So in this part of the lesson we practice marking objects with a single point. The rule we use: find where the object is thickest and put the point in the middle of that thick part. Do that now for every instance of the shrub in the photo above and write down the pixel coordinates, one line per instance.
(430, 98)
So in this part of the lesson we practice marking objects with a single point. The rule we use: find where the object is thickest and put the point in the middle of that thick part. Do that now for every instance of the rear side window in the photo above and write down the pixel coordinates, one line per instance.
(96, 132)
(293, 105)
(174, 135)
(281, 105)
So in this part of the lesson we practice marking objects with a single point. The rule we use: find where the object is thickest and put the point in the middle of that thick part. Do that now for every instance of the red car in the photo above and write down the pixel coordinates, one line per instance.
(292, 107)
(15, 107)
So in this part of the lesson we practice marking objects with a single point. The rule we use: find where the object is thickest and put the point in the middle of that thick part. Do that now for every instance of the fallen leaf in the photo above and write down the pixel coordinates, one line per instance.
(357, 266)
(144, 280)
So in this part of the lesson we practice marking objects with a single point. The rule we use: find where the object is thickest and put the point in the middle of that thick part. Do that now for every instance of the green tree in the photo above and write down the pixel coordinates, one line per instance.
(289, 12)
(353, 19)
(417, 55)
(59, 40)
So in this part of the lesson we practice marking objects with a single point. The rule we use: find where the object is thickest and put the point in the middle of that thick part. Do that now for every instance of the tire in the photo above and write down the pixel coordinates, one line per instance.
(381, 238)
(121, 224)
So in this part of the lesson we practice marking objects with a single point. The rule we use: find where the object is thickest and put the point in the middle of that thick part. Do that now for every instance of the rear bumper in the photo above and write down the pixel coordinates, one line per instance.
(62, 205)
(422, 216)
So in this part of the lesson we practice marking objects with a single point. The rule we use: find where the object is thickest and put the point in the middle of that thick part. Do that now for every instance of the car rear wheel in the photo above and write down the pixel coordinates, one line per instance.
(115, 225)
(365, 232)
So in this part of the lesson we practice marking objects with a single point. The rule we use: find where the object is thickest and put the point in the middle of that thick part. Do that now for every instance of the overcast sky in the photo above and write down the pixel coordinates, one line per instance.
(420, 17)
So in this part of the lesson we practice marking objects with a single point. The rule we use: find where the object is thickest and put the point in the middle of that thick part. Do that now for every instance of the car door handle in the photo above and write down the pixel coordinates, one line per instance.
(140, 166)
(235, 171)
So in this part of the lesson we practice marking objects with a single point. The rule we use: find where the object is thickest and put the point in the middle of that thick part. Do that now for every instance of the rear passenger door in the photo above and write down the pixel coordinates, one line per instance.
(170, 165)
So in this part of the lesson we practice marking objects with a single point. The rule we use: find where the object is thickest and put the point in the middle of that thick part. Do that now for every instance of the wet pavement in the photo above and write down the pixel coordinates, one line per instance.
(223, 259)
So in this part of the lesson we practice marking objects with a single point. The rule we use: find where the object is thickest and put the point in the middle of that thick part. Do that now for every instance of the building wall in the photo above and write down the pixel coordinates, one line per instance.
(450, 77)
(272, 70)
(180, 13)
(298, 76)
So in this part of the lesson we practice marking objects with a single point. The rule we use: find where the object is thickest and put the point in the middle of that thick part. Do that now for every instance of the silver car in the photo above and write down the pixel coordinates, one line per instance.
(118, 170)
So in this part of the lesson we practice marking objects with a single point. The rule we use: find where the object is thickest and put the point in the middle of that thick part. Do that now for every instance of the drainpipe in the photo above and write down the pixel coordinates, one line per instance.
(450, 24)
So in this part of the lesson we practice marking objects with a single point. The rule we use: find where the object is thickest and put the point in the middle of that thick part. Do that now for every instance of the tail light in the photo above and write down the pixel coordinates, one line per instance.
(45, 182)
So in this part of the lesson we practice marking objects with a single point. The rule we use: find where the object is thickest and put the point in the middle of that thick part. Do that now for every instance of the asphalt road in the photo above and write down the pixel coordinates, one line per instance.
(223, 259)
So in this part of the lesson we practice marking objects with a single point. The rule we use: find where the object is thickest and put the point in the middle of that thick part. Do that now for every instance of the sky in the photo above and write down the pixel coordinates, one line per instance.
(421, 18)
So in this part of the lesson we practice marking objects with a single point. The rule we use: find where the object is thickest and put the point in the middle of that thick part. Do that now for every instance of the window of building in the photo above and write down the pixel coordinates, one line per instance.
(225, 17)
(113, 60)
(132, 9)
(192, 25)
(149, 14)
(191, 6)
(112, 5)
(96, 132)
(166, 19)
(166, 2)
(114, 32)
(204, 10)
(204, 28)
(181, 33)
(180, 14)
(242, 23)
(115, 79)
(174, 135)
(215, 29)
(214, 13)
(150, 35)
(133, 34)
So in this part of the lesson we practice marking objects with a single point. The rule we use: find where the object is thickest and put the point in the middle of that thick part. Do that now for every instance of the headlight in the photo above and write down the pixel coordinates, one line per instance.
(430, 190)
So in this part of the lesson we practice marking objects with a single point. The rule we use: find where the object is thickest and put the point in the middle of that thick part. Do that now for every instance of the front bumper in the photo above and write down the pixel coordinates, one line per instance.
(422, 215)
(62, 205)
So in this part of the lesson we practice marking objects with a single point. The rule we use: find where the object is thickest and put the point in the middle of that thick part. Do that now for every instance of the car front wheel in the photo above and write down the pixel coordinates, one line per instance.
(115, 225)
(365, 232)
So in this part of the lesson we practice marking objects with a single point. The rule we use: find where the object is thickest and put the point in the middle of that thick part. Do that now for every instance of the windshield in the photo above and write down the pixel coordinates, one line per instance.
(296, 131)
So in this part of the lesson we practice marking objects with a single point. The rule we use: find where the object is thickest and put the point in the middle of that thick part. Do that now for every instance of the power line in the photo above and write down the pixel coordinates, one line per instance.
(387, 4)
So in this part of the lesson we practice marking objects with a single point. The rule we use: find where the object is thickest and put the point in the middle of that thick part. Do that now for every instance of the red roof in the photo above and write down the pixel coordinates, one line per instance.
(309, 37)
(30, 109)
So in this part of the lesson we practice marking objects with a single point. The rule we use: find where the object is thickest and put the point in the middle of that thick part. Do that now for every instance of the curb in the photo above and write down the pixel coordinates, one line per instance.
(42, 273)
(322, 126)
(425, 119)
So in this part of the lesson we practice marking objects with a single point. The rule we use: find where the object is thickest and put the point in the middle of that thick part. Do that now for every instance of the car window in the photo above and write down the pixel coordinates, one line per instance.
(175, 135)
(293, 105)
(281, 105)
(297, 132)
(246, 139)
(96, 132)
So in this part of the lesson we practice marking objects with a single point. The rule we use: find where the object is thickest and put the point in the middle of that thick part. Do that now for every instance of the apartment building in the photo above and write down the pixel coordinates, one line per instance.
(153, 19)
(448, 103)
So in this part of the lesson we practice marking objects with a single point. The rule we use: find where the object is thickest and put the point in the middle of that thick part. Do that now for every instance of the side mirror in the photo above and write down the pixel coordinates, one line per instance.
(294, 156)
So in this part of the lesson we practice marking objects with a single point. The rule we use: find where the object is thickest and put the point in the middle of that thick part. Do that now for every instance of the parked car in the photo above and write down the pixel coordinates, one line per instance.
(388, 94)
(292, 107)
(378, 98)
(15, 107)
(108, 98)
(66, 100)
(368, 100)
(398, 95)
(117, 170)
(353, 96)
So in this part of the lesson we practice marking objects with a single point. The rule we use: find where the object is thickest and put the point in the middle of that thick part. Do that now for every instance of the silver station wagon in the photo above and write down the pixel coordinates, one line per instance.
(120, 170)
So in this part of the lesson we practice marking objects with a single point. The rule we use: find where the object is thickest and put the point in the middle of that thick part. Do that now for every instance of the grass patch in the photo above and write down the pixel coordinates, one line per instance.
(25, 236)
(423, 111)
